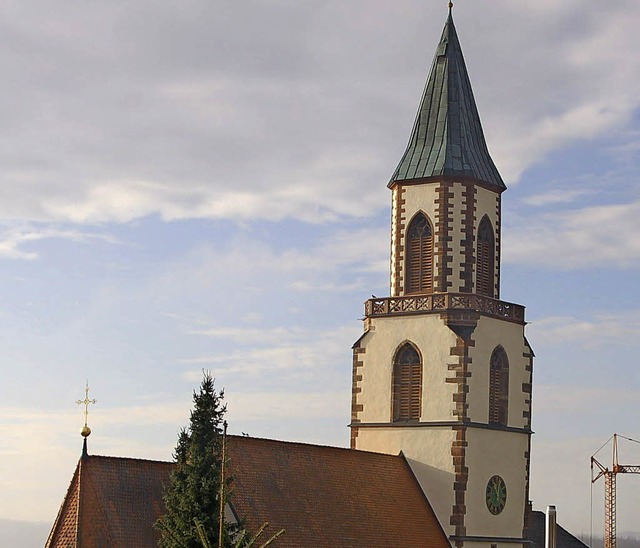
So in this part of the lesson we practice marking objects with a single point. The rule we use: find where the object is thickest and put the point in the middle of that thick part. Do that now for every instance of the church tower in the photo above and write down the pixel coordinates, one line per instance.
(443, 370)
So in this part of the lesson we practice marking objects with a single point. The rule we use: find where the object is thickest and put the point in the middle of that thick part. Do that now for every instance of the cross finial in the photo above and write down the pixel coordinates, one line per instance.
(85, 429)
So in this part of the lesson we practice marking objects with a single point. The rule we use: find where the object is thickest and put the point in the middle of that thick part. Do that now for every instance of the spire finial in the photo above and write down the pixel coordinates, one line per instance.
(86, 431)
(450, 6)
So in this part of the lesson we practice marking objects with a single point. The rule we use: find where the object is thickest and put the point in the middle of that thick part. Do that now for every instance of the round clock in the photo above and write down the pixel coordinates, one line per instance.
(496, 495)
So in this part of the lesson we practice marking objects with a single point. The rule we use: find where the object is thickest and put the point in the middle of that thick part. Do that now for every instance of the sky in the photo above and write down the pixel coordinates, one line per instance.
(202, 185)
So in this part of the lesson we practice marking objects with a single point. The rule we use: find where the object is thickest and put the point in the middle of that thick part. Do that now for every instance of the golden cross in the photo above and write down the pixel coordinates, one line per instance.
(86, 402)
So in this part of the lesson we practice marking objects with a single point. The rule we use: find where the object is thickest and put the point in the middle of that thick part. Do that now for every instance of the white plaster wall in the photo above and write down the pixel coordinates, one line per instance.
(486, 205)
(433, 340)
(421, 198)
(489, 333)
(489, 453)
(416, 443)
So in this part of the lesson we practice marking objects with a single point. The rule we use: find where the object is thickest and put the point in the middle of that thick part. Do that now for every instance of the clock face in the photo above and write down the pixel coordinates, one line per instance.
(496, 496)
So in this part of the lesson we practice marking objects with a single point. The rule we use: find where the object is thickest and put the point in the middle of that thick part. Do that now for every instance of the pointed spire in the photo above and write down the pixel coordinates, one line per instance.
(447, 137)
(85, 450)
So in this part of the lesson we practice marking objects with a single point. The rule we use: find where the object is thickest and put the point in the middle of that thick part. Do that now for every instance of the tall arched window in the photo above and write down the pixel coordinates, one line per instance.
(419, 250)
(485, 261)
(407, 384)
(499, 387)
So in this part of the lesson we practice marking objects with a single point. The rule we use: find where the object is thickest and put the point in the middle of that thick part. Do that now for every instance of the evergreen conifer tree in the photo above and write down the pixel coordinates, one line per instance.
(193, 491)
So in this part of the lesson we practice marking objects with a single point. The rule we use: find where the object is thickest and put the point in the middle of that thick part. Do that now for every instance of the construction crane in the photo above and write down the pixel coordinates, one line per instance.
(610, 487)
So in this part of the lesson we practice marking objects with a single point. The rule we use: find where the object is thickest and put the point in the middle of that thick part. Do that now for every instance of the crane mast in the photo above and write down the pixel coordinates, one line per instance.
(610, 488)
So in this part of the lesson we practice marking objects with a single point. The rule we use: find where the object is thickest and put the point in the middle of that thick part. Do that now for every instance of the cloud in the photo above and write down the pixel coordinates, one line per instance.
(554, 131)
(302, 285)
(13, 239)
(255, 336)
(266, 351)
(599, 330)
(262, 406)
(629, 147)
(553, 399)
(605, 235)
(541, 95)
(252, 317)
(105, 122)
(311, 263)
(556, 196)
(366, 249)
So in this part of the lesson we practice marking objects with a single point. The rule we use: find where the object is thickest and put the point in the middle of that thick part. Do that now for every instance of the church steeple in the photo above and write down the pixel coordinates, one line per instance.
(443, 371)
(447, 137)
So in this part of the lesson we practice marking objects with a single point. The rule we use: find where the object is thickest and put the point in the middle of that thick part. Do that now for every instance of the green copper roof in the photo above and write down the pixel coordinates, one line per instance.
(447, 136)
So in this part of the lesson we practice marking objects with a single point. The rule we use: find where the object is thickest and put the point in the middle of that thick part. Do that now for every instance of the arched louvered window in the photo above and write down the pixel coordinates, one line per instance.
(486, 258)
(407, 384)
(419, 251)
(499, 387)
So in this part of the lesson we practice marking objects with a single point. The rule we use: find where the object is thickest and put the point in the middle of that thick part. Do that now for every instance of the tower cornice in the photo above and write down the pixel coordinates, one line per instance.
(446, 180)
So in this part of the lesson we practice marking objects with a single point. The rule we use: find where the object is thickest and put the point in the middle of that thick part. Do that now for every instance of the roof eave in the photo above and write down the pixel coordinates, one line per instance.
(489, 185)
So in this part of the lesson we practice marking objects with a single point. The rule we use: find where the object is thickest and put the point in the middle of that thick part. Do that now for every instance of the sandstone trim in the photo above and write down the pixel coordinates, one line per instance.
(356, 390)
(468, 240)
(460, 370)
(399, 225)
(442, 233)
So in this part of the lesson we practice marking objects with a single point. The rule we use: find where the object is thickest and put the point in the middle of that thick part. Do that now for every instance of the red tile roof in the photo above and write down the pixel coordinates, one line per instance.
(111, 502)
(329, 496)
(65, 528)
(321, 496)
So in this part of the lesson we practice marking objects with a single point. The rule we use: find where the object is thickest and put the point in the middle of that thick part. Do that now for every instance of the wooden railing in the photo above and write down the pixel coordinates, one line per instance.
(414, 304)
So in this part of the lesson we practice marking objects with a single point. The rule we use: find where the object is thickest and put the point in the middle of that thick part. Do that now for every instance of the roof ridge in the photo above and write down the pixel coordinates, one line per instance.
(136, 459)
(308, 444)
(254, 438)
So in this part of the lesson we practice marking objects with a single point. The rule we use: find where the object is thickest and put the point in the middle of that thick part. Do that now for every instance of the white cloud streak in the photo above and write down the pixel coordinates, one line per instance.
(560, 196)
(272, 350)
(606, 236)
(598, 330)
(14, 239)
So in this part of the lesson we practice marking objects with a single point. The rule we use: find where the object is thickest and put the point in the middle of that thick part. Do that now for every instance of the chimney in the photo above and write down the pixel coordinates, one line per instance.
(550, 536)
